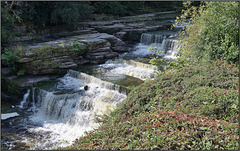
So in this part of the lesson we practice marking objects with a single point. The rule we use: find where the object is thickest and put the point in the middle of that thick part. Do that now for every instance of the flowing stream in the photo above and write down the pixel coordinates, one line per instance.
(57, 113)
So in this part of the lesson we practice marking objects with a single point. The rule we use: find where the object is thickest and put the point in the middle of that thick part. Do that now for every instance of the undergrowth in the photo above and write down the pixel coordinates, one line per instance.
(192, 108)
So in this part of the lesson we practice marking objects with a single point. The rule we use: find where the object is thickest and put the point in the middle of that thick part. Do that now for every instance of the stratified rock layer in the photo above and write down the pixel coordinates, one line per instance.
(50, 57)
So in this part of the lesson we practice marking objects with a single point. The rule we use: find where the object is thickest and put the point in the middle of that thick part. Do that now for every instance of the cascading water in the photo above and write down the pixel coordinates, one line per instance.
(161, 40)
(66, 112)
(170, 47)
(25, 99)
(148, 39)
(130, 68)
(55, 116)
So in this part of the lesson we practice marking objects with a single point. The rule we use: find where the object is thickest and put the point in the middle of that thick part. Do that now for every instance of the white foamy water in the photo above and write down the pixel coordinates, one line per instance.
(24, 101)
(141, 50)
(171, 48)
(65, 117)
(147, 38)
(161, 42)
(8, 115)
(130, 68)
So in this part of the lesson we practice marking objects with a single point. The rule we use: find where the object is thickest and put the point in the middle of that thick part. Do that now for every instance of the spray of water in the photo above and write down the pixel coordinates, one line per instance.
(62, 117)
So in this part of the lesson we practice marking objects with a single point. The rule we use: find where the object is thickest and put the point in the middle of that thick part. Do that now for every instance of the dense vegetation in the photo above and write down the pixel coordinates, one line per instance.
(214, 33)
(192, 104)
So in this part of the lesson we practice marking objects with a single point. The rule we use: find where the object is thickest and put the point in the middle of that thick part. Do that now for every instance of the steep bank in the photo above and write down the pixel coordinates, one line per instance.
(192, 108)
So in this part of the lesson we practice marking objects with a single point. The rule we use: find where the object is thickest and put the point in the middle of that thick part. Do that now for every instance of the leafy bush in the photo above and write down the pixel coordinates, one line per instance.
(21, 71)
(114, 7)
(214, 102)
(70, 12)
(214, 32)
(166, 65)
(7, 25)
(133, 6)
(45, 14)
(77, 46)
(163, 4)
(9, 58)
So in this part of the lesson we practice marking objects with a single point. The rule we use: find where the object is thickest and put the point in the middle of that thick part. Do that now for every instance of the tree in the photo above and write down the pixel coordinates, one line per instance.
(9, 17)
(45, 14)
(114, 8)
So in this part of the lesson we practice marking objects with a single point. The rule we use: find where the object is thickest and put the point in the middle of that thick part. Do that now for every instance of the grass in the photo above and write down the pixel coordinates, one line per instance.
(193, 108)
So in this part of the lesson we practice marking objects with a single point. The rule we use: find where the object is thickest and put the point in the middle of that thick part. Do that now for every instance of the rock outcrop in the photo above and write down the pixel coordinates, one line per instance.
(130, 28)
(53, 56)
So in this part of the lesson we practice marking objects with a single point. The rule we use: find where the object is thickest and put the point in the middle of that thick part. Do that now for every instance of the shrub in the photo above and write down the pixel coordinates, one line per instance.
(214, 32)
(7, 25)
(45, 14)
(133, 6)
(77, 46)
(9, 58)
(114, 8)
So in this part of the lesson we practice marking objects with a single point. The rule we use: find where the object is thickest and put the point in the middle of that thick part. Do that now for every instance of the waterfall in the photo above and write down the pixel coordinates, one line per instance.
(86, 78)
(160, 41)
(130, 68)
(25, 99)
(139, 64)
(65, 116)
(148, 39)
(68, 108)
(133, 63)
(159, 38)
(8, 115)
(170, 47)
(68, 116)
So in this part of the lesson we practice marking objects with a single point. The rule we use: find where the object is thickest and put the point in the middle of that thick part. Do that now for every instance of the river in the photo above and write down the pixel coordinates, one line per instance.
(55, 114)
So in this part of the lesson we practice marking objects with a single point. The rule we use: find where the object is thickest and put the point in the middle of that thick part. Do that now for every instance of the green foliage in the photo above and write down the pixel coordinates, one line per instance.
(21, 72)
(70, 12)
(133, 5)
(214, 32)
(192, 108)
(10, 87)
(45, 14)
(191, 85)
(114, 7)
(7, 25)
(155, 60)
(164, 65)
(9, 58)
(165, 5)
(76, 46)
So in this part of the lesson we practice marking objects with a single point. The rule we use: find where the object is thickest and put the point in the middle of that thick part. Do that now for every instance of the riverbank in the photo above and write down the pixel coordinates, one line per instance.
(193, 108)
